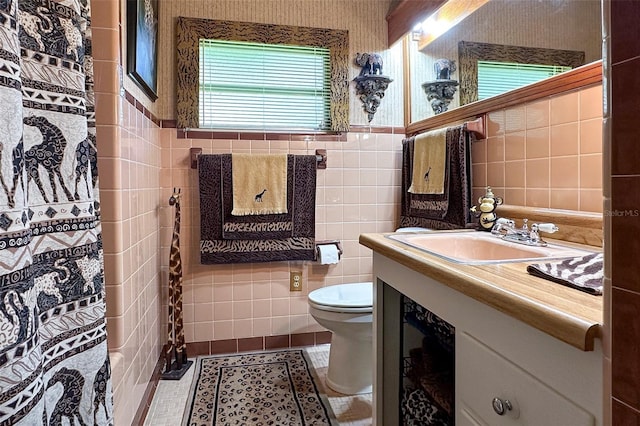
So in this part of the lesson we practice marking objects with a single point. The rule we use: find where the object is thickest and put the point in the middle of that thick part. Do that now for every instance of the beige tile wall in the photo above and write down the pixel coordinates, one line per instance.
(132, 266)
(357, 193)
(129, 168)
(545, 154)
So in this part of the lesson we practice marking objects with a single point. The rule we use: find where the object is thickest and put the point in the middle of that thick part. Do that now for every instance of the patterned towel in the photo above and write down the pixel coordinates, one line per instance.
(297, 244)
(449, 210)
(258, 227)
(259, 184)
(430, 163)
(583, 273)
(417, 409)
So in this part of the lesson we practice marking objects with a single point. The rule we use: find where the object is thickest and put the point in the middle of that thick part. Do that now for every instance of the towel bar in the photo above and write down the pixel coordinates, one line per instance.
(476, 126)
(321, 157)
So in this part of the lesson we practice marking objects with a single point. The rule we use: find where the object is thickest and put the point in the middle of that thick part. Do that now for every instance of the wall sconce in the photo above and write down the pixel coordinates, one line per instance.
(440, 91)
(370, 83)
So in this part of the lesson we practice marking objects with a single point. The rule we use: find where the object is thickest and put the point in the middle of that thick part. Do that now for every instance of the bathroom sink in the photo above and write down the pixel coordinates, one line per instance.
(477, 248)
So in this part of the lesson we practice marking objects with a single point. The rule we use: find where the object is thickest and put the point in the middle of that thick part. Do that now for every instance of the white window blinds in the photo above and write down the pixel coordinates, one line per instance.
(495, 78)
(253, 86)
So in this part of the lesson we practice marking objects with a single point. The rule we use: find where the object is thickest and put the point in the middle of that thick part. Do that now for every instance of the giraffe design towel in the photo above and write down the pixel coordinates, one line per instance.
(429, 163)
(255, 238)
(259, 184)
(440, 211)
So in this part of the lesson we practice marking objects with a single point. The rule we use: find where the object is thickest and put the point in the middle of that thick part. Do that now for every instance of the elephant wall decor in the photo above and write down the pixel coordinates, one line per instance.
(371, 63)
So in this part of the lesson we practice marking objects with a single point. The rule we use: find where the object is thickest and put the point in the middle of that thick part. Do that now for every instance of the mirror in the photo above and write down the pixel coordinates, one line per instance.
(558, 32)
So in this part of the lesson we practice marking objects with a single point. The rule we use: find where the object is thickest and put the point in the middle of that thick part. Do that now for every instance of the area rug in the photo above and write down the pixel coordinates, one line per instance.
(262, 388)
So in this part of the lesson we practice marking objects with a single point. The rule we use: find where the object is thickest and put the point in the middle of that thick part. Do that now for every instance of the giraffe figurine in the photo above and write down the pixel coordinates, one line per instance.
(176, 343)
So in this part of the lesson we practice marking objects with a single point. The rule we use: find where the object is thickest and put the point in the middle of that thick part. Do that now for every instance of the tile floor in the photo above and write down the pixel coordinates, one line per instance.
(171, 396)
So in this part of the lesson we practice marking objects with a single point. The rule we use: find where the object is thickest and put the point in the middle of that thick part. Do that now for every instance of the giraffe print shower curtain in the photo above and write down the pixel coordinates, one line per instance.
(54, 367)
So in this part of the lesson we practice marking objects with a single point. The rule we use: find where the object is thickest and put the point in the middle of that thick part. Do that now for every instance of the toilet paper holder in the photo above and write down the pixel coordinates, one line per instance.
(326, 242)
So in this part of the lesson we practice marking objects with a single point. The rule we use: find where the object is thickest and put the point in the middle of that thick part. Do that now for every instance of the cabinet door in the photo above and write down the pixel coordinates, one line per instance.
(464, 418)
(484, 376)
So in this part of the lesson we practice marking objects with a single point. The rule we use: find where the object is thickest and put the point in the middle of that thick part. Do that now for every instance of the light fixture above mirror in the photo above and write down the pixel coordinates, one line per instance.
(446, 17)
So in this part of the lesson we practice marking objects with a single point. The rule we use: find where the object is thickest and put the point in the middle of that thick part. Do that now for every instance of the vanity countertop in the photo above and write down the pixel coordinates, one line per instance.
(570, 315)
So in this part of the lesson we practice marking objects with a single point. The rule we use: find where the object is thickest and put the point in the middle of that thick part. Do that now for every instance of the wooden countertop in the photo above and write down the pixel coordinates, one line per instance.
(570, 315)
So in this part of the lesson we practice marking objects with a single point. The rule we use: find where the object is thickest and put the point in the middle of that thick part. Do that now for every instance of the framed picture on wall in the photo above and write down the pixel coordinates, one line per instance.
(142, 45)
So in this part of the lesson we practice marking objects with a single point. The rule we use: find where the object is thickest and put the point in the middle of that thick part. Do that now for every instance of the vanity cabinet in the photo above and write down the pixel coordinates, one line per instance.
(497, 358)
(495, 391)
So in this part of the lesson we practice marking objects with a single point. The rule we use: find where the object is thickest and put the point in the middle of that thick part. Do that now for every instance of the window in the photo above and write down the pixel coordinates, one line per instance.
(256, 86)
(495, 78)
(271, 63)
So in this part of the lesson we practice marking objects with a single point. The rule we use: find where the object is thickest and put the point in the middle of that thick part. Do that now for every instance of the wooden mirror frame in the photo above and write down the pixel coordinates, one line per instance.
(583, 76)
(469, 53)
(191, 30)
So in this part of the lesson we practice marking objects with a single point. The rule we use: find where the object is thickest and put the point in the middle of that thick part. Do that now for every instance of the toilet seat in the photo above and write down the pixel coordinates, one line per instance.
(348, 298)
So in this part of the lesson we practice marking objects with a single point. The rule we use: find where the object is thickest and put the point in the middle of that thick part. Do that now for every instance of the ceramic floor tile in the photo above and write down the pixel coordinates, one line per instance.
(167, 407)
(354, 410)
(169, 401)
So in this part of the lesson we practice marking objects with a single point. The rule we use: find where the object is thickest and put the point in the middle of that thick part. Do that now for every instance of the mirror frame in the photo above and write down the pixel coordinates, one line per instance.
(470, 52)
(585, 75)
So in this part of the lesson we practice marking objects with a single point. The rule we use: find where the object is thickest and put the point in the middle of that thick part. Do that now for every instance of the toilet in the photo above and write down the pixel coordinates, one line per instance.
(347, 311)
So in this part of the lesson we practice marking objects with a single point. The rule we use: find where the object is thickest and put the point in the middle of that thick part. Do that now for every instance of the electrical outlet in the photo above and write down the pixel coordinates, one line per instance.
(295, 281)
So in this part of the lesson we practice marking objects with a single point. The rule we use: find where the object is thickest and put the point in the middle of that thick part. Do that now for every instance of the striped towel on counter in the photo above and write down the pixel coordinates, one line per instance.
(583, 273)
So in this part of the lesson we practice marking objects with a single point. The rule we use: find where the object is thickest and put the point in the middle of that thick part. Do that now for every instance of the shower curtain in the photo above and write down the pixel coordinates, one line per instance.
(54, 367)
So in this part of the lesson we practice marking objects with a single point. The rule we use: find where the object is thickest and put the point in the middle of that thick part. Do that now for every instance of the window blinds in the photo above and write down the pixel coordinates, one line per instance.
(253, 86)
(499, 77)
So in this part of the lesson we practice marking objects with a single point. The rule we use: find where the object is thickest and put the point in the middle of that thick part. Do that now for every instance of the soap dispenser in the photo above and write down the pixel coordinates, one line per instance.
(487, 207)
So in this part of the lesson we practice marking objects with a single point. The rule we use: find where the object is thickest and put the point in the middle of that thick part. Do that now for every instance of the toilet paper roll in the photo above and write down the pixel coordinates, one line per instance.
(328, 254)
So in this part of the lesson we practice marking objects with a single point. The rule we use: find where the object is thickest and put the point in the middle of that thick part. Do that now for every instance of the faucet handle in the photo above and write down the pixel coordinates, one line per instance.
(505, 221)
(549, 228)
(500, 223)
(534, 236)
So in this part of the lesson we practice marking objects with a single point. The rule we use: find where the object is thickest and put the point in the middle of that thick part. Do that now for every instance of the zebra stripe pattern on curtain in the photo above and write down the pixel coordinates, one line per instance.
(54, 365)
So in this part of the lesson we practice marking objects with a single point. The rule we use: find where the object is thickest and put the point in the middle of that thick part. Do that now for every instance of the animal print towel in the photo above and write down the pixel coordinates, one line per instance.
(255, 238)
(583, 273)
(259, 184)
(449, 210)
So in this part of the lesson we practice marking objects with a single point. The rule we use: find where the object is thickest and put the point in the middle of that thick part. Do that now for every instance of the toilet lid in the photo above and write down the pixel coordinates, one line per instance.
(354, 295)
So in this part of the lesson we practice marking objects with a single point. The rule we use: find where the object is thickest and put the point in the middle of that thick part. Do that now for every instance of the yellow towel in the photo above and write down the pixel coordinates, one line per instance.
(259, 184)
(429, 162)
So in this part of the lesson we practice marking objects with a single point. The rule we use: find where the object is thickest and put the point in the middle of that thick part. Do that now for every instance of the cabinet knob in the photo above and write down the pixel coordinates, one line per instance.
(501, 406)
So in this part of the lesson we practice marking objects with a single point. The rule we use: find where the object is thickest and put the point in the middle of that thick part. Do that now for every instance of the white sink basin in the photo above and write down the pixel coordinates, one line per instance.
(476, 248)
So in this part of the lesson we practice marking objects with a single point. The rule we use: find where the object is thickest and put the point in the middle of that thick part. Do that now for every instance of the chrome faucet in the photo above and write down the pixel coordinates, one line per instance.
(506, 229)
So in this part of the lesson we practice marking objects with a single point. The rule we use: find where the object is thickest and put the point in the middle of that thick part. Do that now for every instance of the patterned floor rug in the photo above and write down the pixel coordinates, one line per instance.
(263, 388)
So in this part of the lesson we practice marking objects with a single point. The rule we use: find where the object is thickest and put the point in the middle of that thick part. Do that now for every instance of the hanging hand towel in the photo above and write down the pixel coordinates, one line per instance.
(449, 210)
(429, 163)
(259, 184)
